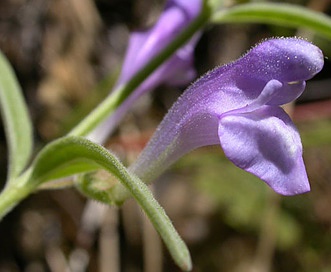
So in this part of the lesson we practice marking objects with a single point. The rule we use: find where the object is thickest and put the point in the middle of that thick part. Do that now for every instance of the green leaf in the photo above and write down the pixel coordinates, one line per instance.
(17, 123)
(63, 158)
(72, 155)
(276, 13)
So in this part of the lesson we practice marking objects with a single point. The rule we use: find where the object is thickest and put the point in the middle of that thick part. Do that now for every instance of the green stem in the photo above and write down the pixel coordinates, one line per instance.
(14, 193)
(113, 101)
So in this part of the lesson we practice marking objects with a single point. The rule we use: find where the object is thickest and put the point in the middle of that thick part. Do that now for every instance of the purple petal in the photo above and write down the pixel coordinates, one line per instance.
(285, 59)
(173, 140)
(266, 144)
(144, 45)
(273, 93)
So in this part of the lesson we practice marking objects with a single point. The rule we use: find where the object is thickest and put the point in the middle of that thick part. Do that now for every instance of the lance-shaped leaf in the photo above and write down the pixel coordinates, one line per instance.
(16, 120)
(284, 14)
(238, 107)
(72, 155)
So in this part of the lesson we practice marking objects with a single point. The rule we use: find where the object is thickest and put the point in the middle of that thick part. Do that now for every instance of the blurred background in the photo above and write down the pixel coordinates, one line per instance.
(67, 54)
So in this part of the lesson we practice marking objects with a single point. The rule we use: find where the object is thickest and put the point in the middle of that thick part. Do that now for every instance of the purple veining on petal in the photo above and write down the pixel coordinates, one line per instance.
(143, 46)
(237, 105)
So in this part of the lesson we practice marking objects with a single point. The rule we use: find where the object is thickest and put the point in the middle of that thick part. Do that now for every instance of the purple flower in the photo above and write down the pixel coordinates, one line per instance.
(144, 45)
(238, 107)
